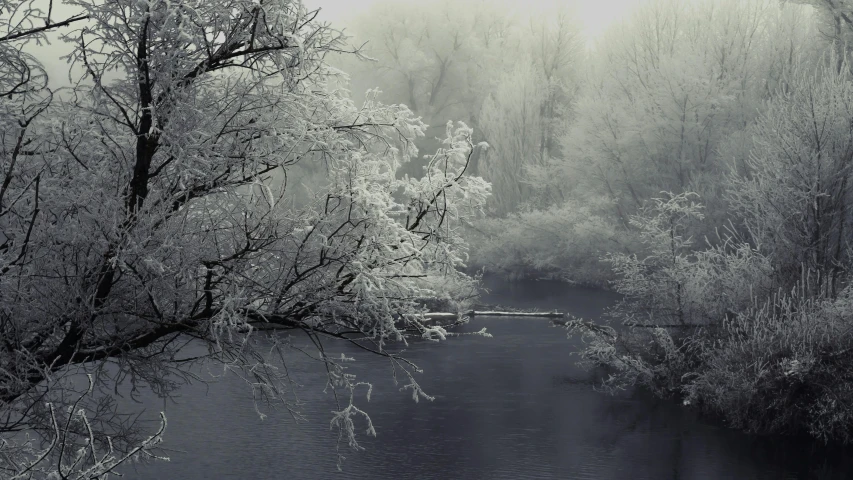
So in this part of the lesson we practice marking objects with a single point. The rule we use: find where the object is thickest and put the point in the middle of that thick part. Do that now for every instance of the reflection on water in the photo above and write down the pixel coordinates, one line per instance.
(512, 407)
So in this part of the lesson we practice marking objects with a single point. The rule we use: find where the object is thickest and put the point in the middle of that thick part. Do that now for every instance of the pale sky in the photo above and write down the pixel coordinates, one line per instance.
(596, 15)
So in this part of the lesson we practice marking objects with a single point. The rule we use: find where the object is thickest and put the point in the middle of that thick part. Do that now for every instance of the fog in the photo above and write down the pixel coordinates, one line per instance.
(185, 176)
(590, 110)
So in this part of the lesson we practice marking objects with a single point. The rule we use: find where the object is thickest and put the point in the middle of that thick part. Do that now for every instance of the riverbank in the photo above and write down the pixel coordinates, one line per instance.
(669, 363)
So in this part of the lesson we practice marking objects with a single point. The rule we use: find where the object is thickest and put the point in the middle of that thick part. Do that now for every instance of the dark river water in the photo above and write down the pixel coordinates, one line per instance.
(510, 407)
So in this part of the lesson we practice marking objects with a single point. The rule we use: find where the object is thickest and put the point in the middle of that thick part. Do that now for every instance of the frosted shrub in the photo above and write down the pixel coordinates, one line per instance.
(669, 294)
(566, 242)
(654, 285)
(675, 301)
(710, 328)
(783, 366)
(640, 357)
(677, 285)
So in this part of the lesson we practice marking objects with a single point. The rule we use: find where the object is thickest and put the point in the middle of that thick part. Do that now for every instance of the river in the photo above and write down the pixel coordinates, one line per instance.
(514, 406)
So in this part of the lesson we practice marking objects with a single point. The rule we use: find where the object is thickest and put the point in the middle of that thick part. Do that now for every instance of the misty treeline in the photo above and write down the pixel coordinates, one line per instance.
(582, 135)
(697, 158)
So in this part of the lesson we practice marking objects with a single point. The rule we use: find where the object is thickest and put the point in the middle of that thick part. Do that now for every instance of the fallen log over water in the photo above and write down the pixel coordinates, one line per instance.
(476, 313)
(441, 315)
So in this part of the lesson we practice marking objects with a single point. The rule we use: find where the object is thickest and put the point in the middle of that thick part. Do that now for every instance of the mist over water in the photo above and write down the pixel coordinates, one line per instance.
(510, 407)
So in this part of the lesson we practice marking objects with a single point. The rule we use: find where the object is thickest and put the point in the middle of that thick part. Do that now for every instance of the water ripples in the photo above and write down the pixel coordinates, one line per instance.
(511, 407)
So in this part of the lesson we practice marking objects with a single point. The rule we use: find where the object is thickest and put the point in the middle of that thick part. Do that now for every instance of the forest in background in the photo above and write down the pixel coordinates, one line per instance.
(583, 134)
(696, 158)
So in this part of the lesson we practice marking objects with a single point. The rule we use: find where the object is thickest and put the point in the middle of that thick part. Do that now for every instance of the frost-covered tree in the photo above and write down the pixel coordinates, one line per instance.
(139, 217)
(512, 124)
(437, 56)
(672, 85)
(835, 22)
(475, 60)
(526, 108)
(555, 46)
(440, 58)
(794, 195)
